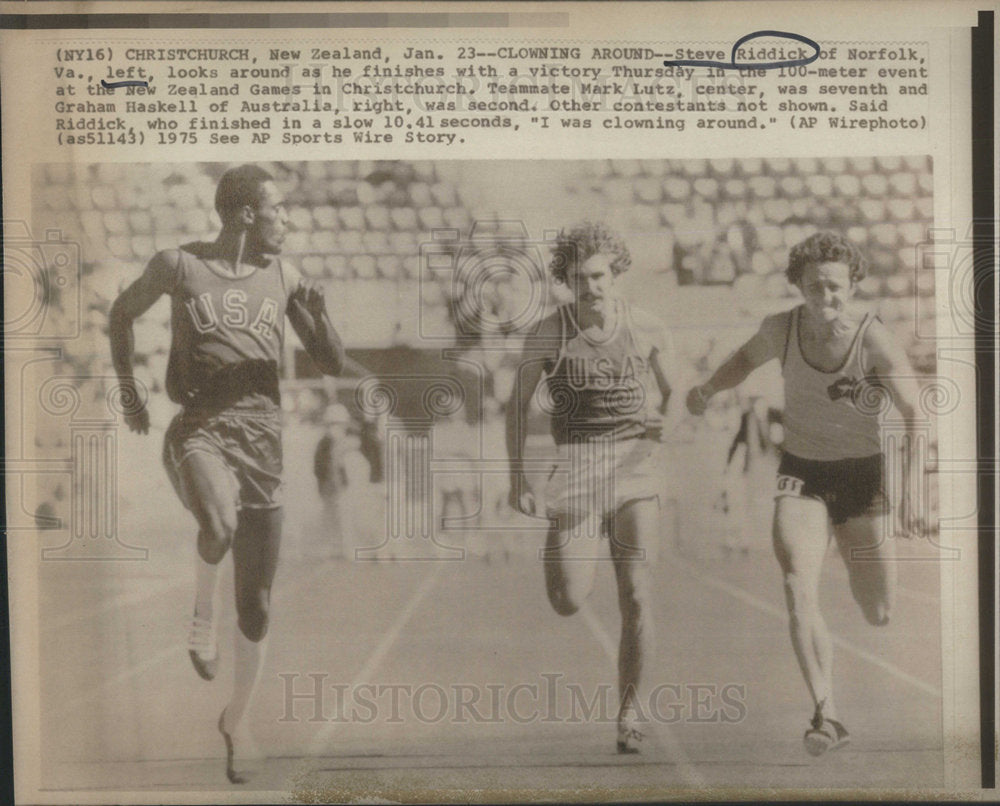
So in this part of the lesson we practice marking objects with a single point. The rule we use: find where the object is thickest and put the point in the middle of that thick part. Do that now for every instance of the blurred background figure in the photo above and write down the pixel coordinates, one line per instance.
(752, 453)
(502, 541)
(457, 441)
(373, 447)
(370, 488)
(363, 509)
(330, 467)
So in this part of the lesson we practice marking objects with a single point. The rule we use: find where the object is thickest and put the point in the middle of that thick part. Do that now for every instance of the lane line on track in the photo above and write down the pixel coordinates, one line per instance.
(319, 742)
(674, 749)
(177, 648)
(779, 613)
(919, 596)
(108, 683)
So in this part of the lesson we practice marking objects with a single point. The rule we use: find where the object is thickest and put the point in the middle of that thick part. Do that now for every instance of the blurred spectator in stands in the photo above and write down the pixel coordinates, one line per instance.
(750, 448)
(373, 447)
(733, 252)
(330, 467)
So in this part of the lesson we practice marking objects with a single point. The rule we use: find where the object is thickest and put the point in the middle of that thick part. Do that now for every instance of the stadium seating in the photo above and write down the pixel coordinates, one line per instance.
(357, 226)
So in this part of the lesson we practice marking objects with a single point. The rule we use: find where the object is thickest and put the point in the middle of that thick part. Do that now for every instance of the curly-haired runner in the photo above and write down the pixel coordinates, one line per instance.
(837, 368)
(606, 367)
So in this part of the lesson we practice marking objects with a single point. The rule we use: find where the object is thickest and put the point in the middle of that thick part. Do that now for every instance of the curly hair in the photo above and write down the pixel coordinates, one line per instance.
(239, 187)
(582, 242)
(825, 247)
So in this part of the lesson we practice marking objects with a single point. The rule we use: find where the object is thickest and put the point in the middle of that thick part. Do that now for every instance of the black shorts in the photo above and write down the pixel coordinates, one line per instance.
(848, 487)
(246, 444)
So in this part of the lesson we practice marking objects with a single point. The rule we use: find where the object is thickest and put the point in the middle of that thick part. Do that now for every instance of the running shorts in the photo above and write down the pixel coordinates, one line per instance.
(247, 444)
(848, 487)
(596, 477)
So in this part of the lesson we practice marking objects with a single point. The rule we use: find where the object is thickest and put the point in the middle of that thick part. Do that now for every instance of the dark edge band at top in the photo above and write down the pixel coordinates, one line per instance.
(476, 19)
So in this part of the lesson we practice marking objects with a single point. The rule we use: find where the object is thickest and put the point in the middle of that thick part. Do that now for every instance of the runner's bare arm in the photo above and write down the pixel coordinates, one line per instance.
(887, 360)
(158, 279)
(306, 310)
(661, 356)
(767, 343)
(529, 374)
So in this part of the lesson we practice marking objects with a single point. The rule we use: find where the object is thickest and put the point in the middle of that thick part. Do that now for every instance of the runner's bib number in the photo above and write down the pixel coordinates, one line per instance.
(790, 485)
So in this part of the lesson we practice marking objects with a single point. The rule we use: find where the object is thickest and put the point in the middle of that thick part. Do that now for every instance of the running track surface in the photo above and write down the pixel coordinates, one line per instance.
(122, 708)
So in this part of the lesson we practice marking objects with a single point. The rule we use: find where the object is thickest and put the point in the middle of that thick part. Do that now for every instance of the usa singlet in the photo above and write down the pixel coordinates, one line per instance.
(830, 415)
(600, 387)
(227, 333)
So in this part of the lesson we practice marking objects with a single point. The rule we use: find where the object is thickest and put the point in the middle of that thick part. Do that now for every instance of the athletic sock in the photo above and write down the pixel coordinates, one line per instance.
(827, 707)
(249, 661)
(206, 579)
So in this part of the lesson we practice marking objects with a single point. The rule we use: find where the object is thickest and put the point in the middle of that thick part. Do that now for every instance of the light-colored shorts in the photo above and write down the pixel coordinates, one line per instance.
(596, 477)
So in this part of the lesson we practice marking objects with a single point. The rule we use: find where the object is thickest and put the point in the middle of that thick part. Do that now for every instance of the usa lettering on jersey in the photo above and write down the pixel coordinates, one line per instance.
(585, 372)
(235, 314)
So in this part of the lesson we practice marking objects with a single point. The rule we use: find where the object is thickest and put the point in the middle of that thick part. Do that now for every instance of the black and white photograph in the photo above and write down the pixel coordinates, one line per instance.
(492, 467)
(595, 423)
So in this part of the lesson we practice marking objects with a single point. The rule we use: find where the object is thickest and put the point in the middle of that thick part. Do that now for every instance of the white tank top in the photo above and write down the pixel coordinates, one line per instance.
(830, 415)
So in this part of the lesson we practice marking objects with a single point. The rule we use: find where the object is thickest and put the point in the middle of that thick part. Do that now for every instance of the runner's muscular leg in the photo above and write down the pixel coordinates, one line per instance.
(634, 541)
(211, 492)
(869, 553)
(801, 538)
(255, 561)
(573, 548)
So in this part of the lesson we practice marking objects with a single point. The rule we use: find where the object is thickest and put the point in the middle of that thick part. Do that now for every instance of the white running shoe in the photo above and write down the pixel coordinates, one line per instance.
(629, 736)
(824, 734)
(629, 740)
(203, 648)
